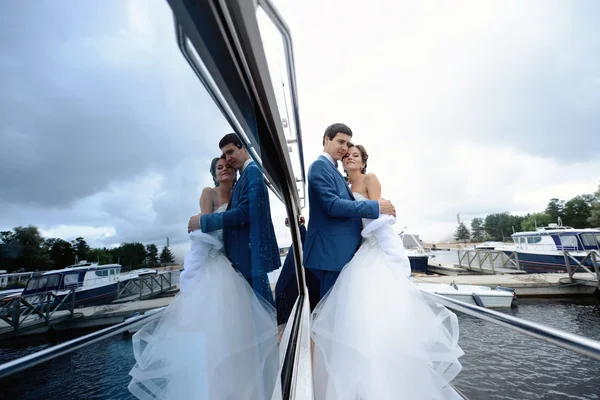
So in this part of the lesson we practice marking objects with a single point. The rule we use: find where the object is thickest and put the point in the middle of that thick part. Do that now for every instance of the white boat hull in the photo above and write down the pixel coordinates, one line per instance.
(489, 297)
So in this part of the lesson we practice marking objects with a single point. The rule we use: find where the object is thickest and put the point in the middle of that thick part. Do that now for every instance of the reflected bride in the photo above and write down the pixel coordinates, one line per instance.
(217, 339)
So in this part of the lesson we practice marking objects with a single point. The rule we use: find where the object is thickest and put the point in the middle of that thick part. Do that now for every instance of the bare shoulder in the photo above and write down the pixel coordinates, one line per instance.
(373, 186)
(208, 194)
(207, 200)
(371, 177)
(207, 191)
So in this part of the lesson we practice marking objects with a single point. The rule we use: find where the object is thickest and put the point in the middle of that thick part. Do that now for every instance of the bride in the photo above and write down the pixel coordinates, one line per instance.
(217, 340)
(376, 336)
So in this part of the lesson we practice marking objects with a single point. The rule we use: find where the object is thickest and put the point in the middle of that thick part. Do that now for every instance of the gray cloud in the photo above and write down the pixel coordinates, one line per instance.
(552, 113)
(71, 121)
(534, 85)
(102, 122)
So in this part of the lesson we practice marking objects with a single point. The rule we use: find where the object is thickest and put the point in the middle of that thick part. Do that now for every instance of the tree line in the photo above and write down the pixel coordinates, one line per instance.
(581, 211)
(24, 248)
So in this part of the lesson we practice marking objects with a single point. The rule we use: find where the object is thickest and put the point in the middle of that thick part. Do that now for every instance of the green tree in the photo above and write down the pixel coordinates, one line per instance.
(81, 248)
(491, 227)
(33, 254)
(9, 251)
(462, 233)
(101, 256)
(61, 252)
(500, 226)
(477, 230)
(151, 255)
(555, 209)
(130, 255)
(594, 219)
(535, 219)
(578, 210)
(166, 257)
(7, 237)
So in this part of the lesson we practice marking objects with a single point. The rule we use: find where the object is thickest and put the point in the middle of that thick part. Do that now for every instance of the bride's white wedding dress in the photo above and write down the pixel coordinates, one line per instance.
(217, 340)
(376, 336)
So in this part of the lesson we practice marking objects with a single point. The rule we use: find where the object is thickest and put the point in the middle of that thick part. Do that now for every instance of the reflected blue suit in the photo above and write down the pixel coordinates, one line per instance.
(248, 234)
(286, 290)
(334, 224)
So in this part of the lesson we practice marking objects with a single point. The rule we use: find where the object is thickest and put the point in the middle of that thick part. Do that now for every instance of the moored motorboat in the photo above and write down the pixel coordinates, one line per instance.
(472, 294)
(417, 255)
(543, 250)
(91, 284)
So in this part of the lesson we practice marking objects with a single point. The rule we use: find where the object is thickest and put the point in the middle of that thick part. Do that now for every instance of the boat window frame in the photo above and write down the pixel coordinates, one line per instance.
(582, 237)
(68, 275)
(568, 247)
(34, 279)
(43, 279)
(53, 281)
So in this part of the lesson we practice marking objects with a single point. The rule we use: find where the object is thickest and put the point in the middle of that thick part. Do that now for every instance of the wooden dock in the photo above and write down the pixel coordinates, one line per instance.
(147, 286)
(491, 262)
(435, 267)
(525, 285)
(81, 318)
(448, 269)
(111, 314)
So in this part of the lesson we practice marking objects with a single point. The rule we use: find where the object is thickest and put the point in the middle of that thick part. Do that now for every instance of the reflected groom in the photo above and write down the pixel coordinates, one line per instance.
(248, 233)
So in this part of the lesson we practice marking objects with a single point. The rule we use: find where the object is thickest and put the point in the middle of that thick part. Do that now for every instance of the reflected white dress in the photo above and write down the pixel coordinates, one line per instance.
(376, 337)
(217, 340)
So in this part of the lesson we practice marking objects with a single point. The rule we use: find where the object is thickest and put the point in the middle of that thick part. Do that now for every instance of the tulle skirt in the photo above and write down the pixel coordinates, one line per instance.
(217, 340)
(376, 337)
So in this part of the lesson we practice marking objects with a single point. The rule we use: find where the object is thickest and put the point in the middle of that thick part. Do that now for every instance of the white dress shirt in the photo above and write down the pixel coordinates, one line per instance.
(328, 156)
(248, 161)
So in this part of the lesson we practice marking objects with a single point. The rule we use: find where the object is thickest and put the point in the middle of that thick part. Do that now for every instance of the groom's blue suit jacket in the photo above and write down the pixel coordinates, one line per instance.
(248, 233)
(334, 224)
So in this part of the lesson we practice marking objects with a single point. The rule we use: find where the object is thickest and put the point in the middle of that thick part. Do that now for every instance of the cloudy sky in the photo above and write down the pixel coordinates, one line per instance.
(465, 107)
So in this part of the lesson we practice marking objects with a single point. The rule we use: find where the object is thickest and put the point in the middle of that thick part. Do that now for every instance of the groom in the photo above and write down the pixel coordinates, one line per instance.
(334, 226)
(248, 233)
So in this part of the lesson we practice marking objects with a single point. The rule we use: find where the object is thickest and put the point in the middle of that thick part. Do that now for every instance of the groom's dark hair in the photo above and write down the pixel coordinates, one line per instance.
(231, 138)
(334, 129)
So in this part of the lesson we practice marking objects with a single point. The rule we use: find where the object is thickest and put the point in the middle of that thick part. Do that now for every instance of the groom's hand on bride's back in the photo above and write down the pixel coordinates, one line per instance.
(386, 207)
(194, 223)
